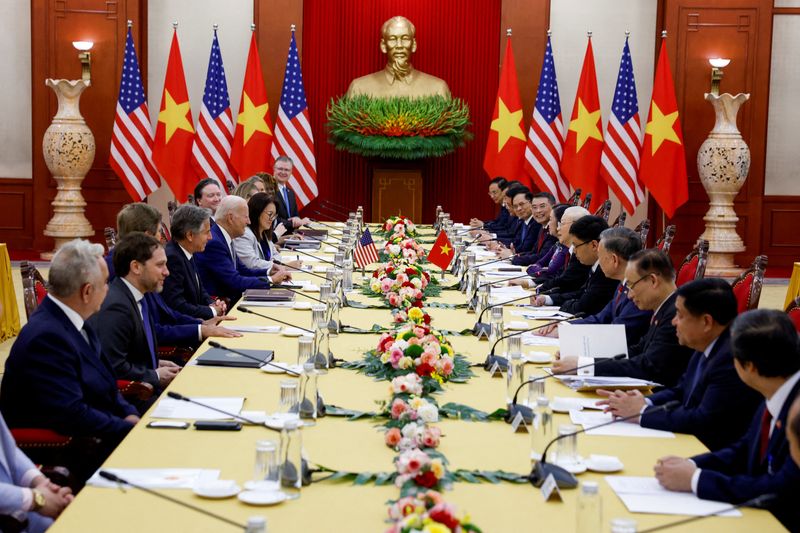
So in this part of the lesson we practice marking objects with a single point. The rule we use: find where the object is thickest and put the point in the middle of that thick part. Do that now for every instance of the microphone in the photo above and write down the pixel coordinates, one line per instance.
(525, 275)
(248, 310)
(481, 328)
(318, 239)
(299, 251)
(502, 362)
(765, 501)
(342, 209)
(215, 344)
(287, 288)
(299, 269)
(324, 224)
(564, 479)
(527, 412)
(493, 261)
(105, 474)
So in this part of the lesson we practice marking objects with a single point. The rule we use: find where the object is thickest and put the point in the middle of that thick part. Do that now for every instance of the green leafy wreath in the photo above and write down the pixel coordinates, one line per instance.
(399, 127)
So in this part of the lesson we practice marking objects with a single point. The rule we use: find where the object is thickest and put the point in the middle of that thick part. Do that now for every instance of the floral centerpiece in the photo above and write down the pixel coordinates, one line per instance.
(417, 469)
(427, 511)
(400, 247)
(398, 225)
(414, 315)
(401, 285)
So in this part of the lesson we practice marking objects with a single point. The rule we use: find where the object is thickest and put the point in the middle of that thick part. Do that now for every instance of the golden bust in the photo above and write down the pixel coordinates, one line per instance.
(398, 78)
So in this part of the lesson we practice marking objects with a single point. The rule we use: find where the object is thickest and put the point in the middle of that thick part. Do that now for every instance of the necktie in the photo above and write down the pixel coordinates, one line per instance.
(196, 277)
(763, 442)
(148, 330)
(286, 202)
(233, 253)
(698, 373)
(541, 240)
(524, 233)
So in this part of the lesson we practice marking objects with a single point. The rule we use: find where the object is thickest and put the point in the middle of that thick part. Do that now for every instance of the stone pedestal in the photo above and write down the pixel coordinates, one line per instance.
(723, 162)
(68, 148)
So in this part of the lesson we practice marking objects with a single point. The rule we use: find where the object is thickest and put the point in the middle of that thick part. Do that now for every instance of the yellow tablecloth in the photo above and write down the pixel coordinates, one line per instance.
(358, 446)
(793, 291)
(9, 319)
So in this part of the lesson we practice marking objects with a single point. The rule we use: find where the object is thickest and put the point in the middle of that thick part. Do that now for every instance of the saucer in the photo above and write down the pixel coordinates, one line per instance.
(278, 420)
(262, 486)
(291, 332)
(280, 368)
(604, 463)
(254, 497)
(301, 306)
(223, 488)
(539, 357)
(574, 467)
(517, 325)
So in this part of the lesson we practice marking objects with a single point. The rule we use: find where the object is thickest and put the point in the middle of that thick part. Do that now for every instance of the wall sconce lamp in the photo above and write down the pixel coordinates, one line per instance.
(85, 57)
(717, 64)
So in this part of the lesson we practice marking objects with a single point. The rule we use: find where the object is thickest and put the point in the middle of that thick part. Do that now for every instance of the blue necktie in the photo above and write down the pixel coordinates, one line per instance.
(698, 374)
(524, 233)
(148, 331)
(286, 202)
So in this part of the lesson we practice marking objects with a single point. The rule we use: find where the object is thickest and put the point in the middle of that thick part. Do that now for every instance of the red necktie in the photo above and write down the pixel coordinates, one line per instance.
(541, 240)
(766, 422)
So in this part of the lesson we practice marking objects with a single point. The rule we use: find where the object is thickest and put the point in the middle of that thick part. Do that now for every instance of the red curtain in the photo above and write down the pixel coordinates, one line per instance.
(457, 41)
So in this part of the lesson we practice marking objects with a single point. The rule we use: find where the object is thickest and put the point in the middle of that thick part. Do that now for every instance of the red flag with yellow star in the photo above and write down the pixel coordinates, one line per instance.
(172, 148)
(584, 145)
(441, 253)
(252, 139)
(505, 150)
(663, 167)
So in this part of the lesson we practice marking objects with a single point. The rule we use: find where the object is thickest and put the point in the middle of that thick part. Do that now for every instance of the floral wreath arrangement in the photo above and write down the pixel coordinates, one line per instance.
(398, 225)
(413, 315)
(400, 247)
(427, 511)
(401, 285)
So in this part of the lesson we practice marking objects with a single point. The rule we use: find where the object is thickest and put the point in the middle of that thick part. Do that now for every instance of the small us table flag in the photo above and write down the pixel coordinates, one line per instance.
(365, 252)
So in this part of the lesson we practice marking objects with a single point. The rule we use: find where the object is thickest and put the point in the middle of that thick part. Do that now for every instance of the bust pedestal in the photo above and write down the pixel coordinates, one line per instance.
(68, 148)
(397, 189)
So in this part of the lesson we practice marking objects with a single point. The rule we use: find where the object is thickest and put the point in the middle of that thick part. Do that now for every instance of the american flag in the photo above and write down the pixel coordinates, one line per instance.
(365, 252)
(293, 136)
(619, 164)
(546, 134)
(132, 139)
(211, 150)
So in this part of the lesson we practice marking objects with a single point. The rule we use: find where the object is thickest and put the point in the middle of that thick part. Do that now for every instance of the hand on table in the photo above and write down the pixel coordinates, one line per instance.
(217, 331)
(538, 301)
(220, 307)
(565, 365)
(675, 473)
(166, 371)
(622, 403)
(547, 331)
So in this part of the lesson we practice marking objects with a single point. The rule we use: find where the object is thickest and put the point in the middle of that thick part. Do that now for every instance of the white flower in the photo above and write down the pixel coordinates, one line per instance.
(428, 413)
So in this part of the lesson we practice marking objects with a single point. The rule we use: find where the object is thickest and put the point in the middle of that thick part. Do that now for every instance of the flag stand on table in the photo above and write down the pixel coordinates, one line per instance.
(365, 252)
(441, 253)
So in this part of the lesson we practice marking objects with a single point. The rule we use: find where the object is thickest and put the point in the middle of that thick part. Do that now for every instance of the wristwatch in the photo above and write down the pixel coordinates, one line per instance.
(38, 499)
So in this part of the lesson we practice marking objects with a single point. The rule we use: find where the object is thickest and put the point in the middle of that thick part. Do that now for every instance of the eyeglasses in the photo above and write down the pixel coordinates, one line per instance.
(629, 286)
(576, 246)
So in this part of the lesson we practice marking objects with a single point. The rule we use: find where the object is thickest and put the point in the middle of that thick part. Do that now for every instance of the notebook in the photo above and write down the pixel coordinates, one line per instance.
(268, 295)
(220, 357)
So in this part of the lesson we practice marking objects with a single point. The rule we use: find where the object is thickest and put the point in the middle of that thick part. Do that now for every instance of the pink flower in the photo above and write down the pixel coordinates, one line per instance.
(446, 366)
(419, 332)
(386, 284)
(428, 358)
(398, 408)
(393, 436)
(395, 356)
(430, 439)
(394, 299)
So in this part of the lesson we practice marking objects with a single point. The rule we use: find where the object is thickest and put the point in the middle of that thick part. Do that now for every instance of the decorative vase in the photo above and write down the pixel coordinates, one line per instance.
(68, 148)
(723, 162)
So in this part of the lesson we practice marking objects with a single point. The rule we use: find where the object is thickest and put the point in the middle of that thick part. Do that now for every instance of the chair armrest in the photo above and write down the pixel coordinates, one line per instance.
(135, 389)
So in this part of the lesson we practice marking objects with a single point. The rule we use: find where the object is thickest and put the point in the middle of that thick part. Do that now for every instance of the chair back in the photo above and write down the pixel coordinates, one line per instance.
(794, 312)
(34, 288)
(665, 241)
(694, 266)
(747, 287)
(604, 210)
(575, 199)
(619, 222)
(587, 201)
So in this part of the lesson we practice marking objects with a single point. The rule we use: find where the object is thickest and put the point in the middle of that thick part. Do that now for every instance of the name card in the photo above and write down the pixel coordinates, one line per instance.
(550, 489)
(518, 424)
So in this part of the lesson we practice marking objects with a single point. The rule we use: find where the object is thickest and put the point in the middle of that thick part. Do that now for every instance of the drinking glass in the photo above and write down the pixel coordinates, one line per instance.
(266, 474)
(289, 398)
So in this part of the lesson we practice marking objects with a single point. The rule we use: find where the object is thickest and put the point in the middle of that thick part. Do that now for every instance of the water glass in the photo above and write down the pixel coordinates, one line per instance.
(535, 390)
(567, 447)
(290, 397)
(497, 323)
(266, 474)
(305, 346)
(514, 345)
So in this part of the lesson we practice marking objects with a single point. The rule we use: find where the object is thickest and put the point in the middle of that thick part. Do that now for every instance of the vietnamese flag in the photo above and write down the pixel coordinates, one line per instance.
(505, 150)
(584, 145)
(172, 148)
(252, 139)
(441, 253)
(663, 167)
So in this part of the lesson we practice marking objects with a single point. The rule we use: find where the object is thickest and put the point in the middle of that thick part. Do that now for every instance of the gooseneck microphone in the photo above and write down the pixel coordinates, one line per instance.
(298, 269)
(564, 479)
(765, 501)
(291, 289)
(488, 283)
(342, 208)
(299, 251)
(215, 344)
(527, 412)
(481, 328)
(248, 310)
(502, 362)
(110, 476)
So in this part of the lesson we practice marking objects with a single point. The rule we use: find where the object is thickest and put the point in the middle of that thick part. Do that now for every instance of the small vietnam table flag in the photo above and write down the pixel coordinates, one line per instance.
(442, 252)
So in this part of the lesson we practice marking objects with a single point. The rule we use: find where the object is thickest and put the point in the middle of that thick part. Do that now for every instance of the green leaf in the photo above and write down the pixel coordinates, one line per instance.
(362, 478)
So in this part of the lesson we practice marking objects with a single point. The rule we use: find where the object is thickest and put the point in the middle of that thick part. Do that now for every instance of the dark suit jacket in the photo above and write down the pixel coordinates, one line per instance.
(285, 212)
(542, 246)
(736, 474)
(54, 379)
(500, 222)
(622, 310)
(717, 410)
(525, 239)
(658, 356)
(172, 327)
(508, 235)
(591, 297)
(573, 277)
(183, 290)
(121, 330)
(218, 273)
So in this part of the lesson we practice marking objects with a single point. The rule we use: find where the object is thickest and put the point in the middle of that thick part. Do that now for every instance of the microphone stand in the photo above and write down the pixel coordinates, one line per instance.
(105, 474)
(315, 257)
(339, 207)
(759, 502)
(287, 288)
(527, 412)
(215, 344)
(297, 269)
(564, 479)
(248, 310)
(481, 328)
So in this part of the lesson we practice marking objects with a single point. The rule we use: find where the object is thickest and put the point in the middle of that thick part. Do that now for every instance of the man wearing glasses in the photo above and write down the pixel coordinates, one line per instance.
(659, 357)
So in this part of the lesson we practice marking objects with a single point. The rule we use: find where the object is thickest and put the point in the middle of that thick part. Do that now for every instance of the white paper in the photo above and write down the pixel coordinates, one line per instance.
(576, 382)
(574, 403)
(592, 340)
(171, 408)
(255, 329)
(538, 340)
(620, 429)
(157, 478)
(646, 495)
(249, 303)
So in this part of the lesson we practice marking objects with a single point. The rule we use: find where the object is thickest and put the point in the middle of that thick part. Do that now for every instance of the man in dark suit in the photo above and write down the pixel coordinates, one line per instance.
(504, 235)
(617, 245)
(286, 200)
(528, 229)
(657, 356)
(221, 272)
(794, 432)
(598, 289)
(183, 289)
(716, 406)
(766, 356)
(57, 376)
(126, 322)
(496, 187)
(541, 206)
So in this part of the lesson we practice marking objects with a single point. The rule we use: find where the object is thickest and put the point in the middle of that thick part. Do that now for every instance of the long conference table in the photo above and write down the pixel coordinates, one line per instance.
(358, 446)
